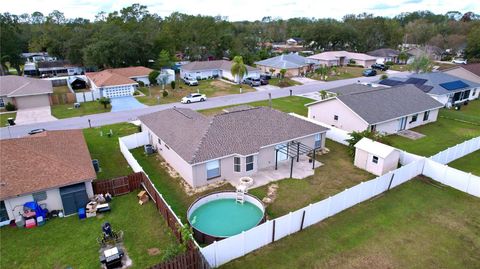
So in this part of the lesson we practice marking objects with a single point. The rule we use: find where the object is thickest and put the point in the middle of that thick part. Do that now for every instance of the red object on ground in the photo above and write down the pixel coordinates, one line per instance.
(30, 223)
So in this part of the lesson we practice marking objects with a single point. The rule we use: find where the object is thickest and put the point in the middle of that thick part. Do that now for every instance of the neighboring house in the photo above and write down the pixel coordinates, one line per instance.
(214, 69)
(294, 41)
(53, 168)
(118, 82)
(230, 145)
(34, 57)
(341, 58)
(58, 68)
(447, 89)
(385, 55)
(375, 157)
(295, 65)
(433, 52)
(469, 72)
(166, 76)
(25, 92)
(385, 110)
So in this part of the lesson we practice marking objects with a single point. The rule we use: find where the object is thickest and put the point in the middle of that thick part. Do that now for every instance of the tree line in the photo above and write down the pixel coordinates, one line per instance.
(134, 36)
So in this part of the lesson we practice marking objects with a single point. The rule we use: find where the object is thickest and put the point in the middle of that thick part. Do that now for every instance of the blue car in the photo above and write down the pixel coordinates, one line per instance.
(369, 73)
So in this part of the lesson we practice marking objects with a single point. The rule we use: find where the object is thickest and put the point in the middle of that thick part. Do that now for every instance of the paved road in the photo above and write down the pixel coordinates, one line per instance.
(123, 116)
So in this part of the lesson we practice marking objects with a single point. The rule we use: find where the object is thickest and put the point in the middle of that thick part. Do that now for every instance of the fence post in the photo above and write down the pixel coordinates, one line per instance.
(273, 232)
(469, 180)
(303, 218)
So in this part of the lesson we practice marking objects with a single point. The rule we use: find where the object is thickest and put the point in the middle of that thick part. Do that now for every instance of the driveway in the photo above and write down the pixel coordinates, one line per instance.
(125, 103)
(266, 88)
(34, 115)
(304, 80)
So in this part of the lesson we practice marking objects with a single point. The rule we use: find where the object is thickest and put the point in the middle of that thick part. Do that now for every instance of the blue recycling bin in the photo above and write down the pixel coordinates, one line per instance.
(81, 213)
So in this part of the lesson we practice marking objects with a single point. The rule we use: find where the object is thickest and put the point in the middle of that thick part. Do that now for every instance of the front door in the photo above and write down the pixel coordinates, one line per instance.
(282, 156)
(402, 124)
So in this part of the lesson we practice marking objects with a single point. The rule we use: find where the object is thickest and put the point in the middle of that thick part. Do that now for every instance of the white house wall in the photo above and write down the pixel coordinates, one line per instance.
(14, 206)
(143, 79)
(391, 127)
(347, 120)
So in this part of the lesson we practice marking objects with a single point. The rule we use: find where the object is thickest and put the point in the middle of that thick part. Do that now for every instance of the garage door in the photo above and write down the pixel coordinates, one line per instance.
(73, 198)
(32, 101)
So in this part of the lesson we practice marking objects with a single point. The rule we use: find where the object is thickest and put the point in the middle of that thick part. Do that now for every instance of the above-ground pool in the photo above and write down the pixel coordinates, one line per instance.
(218, 215)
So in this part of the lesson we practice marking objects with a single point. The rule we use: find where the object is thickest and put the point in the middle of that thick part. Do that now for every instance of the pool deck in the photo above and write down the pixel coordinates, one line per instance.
(301, 169)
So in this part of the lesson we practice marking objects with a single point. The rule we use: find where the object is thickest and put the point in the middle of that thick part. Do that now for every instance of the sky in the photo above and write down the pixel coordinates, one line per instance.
(237, 10)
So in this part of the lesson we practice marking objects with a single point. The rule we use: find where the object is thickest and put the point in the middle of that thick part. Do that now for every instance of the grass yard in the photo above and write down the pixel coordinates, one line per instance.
(288, 104)
(211, 88)
(4, 117)
(61, 90)
(344, 72)
(106, 149)
(416, 225)
(71, 243)
(286, 82)
(335, 175)
(469, 163)
(444, 133)
(169, 187)
(86, 108)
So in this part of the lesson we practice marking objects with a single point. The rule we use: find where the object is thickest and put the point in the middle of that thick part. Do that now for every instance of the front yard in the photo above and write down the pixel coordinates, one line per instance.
(449, 129)
(106, 149)
(86, 108)
(416, 225)
(211, 88)
(4, 117)
(282, 83)
(72, 243)
(344, 72)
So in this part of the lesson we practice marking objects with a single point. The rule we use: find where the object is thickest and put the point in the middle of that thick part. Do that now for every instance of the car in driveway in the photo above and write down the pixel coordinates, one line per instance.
(266, 76)
(190, 81)
(380, 67)
(252, 82)
(194, 97)
(263, 81)
(459, 61)
(369, 73)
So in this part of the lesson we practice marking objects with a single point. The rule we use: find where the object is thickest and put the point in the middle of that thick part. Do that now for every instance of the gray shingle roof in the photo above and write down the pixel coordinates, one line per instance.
(380, 105)
(13, 86)
(286, 61)
(352, 88)
(384, 52)
(197, 138)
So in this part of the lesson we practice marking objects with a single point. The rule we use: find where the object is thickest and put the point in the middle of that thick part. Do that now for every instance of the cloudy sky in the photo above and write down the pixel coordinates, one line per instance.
(242, 9)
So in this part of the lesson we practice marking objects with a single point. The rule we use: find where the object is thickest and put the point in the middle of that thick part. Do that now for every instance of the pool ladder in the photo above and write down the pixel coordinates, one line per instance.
(241, 190)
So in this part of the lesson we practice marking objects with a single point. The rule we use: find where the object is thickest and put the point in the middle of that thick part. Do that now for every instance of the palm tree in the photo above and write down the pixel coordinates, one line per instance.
(239, 69)
(403, 57)
(105, 101)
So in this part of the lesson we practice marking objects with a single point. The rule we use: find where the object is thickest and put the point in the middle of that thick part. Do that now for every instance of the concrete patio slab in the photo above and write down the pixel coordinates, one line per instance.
(411, 134)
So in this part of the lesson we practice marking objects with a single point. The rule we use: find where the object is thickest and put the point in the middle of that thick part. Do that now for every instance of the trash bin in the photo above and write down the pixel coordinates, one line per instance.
(11, 121)
(81, 213)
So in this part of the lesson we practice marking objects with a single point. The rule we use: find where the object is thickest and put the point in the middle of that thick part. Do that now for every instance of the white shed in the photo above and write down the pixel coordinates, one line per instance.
(375, 157)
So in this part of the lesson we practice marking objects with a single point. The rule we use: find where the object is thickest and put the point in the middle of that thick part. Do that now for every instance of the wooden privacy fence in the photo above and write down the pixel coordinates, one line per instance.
(63, 98)
(120, 185)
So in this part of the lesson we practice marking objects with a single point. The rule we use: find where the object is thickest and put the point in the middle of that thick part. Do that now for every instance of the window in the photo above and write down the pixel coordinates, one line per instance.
(414, 118)
(249, 163)
(425, 115)
(40, 196)
(213, 169)
(2, 103)
(373, 127)
(318, 141)
(236, 164)
(375, 159)
(3, 212)
(335, 117)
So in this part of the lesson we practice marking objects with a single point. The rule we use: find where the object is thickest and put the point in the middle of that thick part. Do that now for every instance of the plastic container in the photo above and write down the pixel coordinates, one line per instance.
(30, 223)
(81, 213)
(40, 221)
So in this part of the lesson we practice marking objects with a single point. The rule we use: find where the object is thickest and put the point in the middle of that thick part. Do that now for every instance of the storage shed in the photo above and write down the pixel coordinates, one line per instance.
(375, 157)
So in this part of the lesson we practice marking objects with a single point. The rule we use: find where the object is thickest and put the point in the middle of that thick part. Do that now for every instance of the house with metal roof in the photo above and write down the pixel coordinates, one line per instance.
(294, 64)
(445, 88)
(385, 110)
(242, 141)
(214, 69)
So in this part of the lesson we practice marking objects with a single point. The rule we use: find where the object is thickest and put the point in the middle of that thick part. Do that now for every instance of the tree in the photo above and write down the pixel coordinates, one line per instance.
(11, 43)
(472, 51)
(105, 101)
(164, 59)
(403, 57)
(323, 94)
(421, 64)
(239, 69)
(172, 84)
(357, 136)
(152, 77)
(323, 71)
(283, 71)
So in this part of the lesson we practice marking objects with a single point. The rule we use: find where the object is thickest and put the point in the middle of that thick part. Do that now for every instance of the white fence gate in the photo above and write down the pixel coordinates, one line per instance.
(86, 96)
(335, 134)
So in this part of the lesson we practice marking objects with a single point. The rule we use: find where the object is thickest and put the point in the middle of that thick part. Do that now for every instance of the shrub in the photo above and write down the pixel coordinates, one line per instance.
(10, 107)
(389, 63)
(105, 101)
(384, 76)
(357, 136)
(164, 93)
(136, 93)
(152, 77)
(352, 61)
(141, 83)
(172, 84)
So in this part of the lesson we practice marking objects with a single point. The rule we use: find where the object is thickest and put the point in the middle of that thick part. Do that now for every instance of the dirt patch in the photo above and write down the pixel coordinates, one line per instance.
(271, 194)
(153, 251)
(167, 167)
(220, 84)
(372, 260)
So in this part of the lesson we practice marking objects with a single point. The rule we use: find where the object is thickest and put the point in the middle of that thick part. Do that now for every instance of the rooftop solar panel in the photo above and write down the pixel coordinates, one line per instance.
(454, 85)
(416, 81)
(424, 88)
(390, 82)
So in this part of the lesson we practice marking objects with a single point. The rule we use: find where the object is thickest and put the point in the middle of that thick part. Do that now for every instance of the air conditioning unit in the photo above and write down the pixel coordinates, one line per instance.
(149, 149)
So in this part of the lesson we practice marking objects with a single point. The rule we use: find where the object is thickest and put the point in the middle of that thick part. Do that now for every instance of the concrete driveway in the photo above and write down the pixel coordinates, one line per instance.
(305, 81)
(34, 115)
(266, 88)
(125, 103)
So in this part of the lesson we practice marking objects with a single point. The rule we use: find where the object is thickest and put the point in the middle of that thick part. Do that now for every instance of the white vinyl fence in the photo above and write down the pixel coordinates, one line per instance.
(407, 157)
(457, 151)
(335, 134)
(223, 251)
(87, 96)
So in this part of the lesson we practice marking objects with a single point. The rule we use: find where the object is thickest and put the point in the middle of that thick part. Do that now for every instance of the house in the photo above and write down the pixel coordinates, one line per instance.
(341, 58)
(469, 72)
(385, 110)
(214, 69)
(230, 145)
(53, 168)
(25, 92)
(294, 64)
(375, 157)
(294, 41)
(385, 55)
(58, 68)
(118, 82)
(433, 52)
(445, 88)
(166, 76)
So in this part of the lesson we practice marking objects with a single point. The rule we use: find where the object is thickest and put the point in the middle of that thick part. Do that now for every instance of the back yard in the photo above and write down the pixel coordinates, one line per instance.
(469, 163)
(451, 128)
(416, 225)
(211, 88)
(72, 243)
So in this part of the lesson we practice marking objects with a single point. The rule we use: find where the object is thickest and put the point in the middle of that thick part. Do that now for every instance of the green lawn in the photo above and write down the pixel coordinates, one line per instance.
(61, 90)
(344, 72)
(337, 174)
(170, 188)
(441, 134)
(288, 104)
(469, 163)
(86, 108)
(469, 113)
(106, 149)
(71, 243)
(285, 82)
(415, 225)
(211, 88)
(4, 117)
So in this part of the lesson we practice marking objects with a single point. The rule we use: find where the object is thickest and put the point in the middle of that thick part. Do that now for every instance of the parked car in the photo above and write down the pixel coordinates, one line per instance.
(369, 73)
(266, 76)
(193, 97)
(252, 82)
(459, 61)
(263, 81)
(36, 131)
(191, 81)
(380, 67)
